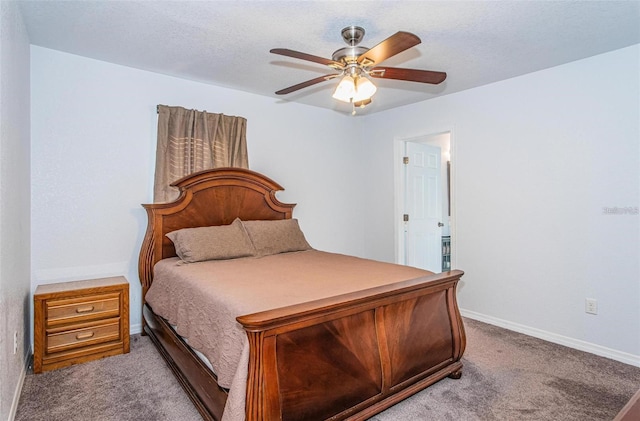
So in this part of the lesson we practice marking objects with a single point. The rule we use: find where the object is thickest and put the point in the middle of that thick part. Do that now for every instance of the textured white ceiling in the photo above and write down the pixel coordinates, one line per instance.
(227, 43)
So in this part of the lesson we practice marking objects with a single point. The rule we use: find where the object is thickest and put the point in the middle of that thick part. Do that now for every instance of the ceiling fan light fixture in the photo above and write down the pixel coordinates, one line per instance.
(365, 89)
(358, 89)
(362, 104)
(345, 90)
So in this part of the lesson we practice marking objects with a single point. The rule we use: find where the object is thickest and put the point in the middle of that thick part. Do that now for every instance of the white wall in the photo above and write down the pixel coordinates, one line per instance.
(14, 204)
(535, 160)
(93, 152)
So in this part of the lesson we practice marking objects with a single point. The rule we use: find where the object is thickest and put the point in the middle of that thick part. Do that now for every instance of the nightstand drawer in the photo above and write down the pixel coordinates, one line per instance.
(82, 309)
(86, 335)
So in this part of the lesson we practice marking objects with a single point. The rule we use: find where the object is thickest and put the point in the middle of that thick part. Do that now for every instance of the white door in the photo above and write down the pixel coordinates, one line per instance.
(423, 209)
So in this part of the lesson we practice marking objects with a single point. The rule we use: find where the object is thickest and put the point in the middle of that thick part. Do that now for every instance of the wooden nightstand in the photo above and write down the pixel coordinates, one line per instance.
(80, 321)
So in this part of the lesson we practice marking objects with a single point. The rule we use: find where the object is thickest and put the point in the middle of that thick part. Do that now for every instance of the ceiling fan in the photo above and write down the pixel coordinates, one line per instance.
(354, 63)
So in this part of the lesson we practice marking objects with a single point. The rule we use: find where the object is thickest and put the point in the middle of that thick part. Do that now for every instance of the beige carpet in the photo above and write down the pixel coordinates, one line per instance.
(506, 376)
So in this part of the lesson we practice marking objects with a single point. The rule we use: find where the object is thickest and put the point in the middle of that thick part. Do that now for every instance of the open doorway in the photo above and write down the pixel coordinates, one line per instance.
(424, 205)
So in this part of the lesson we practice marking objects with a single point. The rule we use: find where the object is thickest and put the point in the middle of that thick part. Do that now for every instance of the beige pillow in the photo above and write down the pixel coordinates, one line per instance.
(212, 243)
(273, 237)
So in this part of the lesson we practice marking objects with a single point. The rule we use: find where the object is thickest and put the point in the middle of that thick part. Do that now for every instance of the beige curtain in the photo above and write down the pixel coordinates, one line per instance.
(191, 141)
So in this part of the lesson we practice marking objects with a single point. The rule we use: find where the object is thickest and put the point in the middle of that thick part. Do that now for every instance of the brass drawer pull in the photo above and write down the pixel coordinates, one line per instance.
(86, 309)
(86, 335)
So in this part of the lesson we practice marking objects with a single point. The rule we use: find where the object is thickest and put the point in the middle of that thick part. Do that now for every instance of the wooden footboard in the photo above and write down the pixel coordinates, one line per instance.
(354, 355)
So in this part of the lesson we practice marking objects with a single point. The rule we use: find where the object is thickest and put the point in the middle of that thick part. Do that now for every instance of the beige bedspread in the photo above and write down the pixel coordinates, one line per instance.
(203, 300)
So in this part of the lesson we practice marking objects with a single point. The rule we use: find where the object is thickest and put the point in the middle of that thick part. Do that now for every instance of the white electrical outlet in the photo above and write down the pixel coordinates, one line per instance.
(591, 305)
(15, 342)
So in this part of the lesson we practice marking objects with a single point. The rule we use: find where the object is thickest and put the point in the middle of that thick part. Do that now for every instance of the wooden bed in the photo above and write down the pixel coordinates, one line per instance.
(409, 334)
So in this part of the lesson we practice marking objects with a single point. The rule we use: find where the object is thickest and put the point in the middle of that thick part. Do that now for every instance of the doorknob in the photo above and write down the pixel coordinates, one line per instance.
(440, 224)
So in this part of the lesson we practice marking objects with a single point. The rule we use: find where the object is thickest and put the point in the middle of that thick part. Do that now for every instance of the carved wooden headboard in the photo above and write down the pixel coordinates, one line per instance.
(207, 198)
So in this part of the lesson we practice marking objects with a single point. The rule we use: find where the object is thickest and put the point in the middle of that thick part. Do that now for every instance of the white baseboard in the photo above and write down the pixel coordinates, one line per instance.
(135, 329)
(602, 351)
(18, 391)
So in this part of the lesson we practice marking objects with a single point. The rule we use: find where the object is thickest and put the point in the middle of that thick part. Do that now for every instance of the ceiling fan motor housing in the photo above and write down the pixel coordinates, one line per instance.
(352, 35)
(348, 55)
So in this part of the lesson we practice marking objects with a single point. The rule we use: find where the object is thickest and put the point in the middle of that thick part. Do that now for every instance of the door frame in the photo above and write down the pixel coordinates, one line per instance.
(399, 191)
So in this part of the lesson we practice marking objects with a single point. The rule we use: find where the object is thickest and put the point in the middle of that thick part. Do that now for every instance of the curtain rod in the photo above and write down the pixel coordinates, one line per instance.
(158, 109)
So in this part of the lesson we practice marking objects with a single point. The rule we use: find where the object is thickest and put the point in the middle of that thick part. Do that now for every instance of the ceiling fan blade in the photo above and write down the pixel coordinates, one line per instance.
(305, 84)
(308, 57)
(391, 46)
(412, 75)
